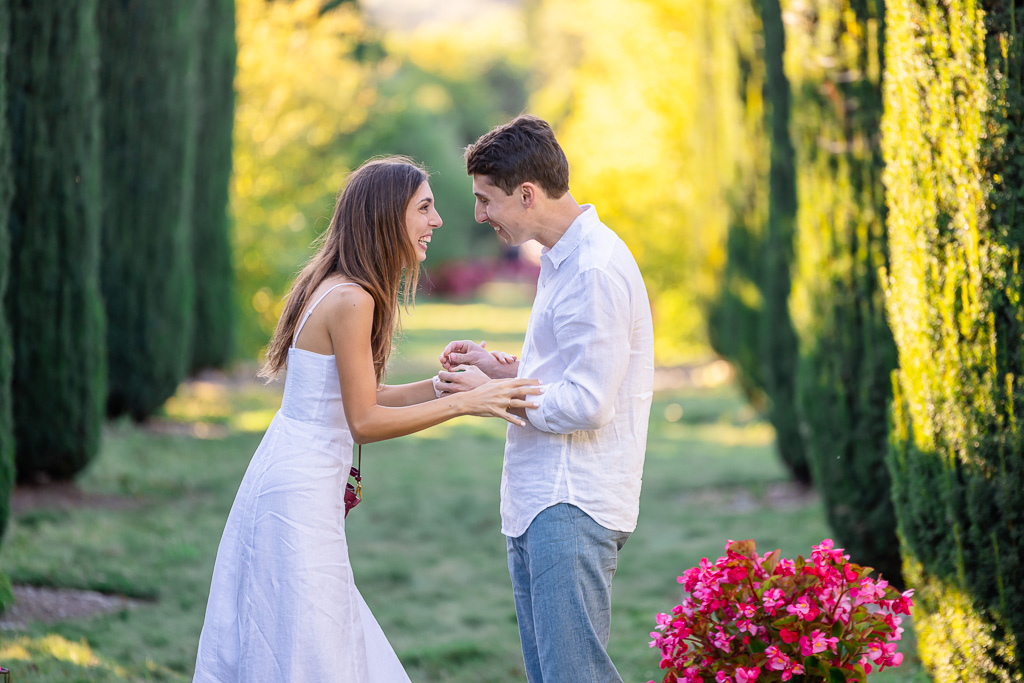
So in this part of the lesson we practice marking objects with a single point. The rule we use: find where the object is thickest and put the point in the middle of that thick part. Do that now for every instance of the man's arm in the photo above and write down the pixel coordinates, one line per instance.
(592, 329)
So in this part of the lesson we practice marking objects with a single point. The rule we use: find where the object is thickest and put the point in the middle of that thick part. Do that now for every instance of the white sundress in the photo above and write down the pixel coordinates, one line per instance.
(283, 605)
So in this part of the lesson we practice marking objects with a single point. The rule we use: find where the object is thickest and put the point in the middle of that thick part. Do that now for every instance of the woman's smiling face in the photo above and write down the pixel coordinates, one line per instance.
(421, 219)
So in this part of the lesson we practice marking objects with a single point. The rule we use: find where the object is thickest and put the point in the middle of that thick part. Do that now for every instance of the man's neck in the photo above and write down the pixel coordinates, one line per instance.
(559, 216)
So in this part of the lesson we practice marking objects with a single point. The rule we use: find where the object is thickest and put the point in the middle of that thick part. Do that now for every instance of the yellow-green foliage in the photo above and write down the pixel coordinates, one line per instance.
(954, 172)
(300, 88)
(953, 636)
(846, 352)
(643, 97)
(318, 93)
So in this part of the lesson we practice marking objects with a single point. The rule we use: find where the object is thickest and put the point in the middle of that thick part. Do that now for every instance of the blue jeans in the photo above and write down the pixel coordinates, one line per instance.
(562, 570)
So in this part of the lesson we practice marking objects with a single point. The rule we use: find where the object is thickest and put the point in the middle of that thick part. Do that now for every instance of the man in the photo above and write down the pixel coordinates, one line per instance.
(570, 486)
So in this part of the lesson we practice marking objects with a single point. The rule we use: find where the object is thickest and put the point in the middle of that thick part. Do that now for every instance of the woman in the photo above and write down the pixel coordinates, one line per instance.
(283, 605)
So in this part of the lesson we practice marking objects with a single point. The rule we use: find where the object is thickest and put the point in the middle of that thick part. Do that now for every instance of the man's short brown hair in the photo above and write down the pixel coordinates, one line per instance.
(522, 150)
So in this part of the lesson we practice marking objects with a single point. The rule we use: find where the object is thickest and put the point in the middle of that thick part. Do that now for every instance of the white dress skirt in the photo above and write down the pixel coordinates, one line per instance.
(283, 604)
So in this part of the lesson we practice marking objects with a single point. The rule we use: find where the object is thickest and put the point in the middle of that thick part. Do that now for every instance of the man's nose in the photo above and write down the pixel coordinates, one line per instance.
(480, 214)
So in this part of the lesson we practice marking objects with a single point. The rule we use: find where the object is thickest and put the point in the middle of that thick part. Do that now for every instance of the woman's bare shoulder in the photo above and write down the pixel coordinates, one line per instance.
(350, 296)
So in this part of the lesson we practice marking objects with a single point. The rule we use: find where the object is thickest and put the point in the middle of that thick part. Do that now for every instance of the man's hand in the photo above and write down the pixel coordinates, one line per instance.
(495, 365)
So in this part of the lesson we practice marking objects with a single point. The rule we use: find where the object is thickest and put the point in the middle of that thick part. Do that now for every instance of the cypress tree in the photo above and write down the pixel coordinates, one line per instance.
(734, 315)
(148, 86)
(846, 349)
(749, 323)
(6, 418)
(954, 171)
(213, 341)
(53, 301)
(778, 341)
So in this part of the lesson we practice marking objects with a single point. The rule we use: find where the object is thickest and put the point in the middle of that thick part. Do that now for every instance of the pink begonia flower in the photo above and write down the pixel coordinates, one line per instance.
(746, 611)
(803, 608)
(826, 551)
(795, 669)
(883, 653)
(721, 640)
(789, 636)
(722, 677)
(692, 675)
(902, 604)
(745, 626)
(772, 600)
(817, 643)
(785, 567)
(868, 591)
(777, 660)
(747, 675)
(736, 575)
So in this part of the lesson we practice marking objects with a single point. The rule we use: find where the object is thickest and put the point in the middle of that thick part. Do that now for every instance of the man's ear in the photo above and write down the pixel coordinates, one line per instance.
(527, 194)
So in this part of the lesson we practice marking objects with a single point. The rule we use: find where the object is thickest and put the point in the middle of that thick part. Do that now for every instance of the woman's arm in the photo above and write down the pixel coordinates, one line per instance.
(395, 395)
(350, 321)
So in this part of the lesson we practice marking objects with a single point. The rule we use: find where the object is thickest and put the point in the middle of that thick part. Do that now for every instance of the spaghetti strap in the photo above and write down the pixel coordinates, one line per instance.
(308, 312)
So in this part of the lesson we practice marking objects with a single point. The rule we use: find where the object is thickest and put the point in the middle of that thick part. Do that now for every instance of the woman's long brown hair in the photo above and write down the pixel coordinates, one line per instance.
(367, 243)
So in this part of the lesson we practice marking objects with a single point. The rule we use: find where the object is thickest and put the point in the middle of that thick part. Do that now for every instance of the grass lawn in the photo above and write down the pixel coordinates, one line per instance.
(426, 547)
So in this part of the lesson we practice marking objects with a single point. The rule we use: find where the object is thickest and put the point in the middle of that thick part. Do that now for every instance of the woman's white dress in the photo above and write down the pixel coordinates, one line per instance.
(283, 605)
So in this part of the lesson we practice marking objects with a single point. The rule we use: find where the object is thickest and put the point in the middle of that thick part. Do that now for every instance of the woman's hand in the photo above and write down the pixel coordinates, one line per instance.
(495, 364)
(460, 378)
(498, 397)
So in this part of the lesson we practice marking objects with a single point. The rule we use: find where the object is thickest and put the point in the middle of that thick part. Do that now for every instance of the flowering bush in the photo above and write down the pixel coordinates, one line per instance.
(752, 618)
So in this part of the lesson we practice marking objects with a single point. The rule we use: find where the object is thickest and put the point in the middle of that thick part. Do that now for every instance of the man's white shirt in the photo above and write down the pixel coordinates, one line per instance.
(590, 342)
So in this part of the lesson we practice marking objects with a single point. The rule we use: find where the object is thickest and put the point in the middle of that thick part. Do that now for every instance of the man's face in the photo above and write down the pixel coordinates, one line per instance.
(503, 212)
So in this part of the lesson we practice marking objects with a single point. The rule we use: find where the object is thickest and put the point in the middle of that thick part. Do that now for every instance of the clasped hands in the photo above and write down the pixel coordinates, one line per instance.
(467, 365)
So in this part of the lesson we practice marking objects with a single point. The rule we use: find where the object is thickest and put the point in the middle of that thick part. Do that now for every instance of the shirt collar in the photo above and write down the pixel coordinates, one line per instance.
(572, 237)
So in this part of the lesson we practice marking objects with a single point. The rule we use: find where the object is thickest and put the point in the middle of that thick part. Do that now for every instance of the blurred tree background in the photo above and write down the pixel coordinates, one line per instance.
(822, 192)
(319, 91)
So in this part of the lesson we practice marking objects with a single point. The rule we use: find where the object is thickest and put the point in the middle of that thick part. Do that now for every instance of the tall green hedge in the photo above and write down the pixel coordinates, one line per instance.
(734, 315)
(6, 349)
(148, 88)
(778, 341)
(749, 323)
(834, 56)
(53, 301)
(954, 177)
(214, 334)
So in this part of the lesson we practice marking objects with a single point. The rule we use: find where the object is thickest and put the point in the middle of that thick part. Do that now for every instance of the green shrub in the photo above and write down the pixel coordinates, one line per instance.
(834, 52)
(954, 171)
(6, 185)
(149, 52)
(214, 331)
(53, 304)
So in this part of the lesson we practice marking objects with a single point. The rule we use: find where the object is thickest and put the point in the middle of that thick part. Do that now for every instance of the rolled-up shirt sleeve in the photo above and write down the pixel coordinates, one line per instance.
(593, 336)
